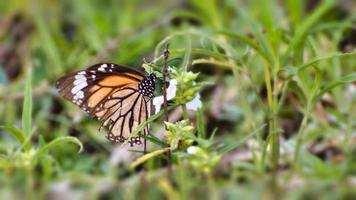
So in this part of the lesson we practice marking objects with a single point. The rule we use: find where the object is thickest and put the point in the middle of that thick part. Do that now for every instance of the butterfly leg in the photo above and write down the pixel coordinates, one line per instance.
(144, 146)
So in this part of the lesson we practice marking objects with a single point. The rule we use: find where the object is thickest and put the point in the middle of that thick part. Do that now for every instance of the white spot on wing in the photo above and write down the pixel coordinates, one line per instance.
(79, 76)
(78, 81)
(79, 87)
(102, 67)
(79, 95)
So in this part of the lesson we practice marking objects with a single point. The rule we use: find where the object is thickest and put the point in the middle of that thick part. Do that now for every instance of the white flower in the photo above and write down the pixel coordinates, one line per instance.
(171, 93)
(172, 89)
(192, 150)
(195, 103)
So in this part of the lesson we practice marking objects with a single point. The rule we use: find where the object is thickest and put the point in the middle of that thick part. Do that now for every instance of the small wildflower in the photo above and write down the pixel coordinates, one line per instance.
(202, 159)
(187, 87)
(179, 134)
(192, 150)
(171, 93)
(195, 103)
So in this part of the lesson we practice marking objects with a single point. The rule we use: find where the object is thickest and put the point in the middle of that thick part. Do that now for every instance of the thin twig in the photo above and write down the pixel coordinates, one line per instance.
(165, 74)
(165, 104)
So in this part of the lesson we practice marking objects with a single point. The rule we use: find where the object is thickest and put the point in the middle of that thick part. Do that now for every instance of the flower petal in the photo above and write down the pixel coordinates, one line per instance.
(171, 93)
(157, 102)
(192, 150)
(195, 103)
(172, 89)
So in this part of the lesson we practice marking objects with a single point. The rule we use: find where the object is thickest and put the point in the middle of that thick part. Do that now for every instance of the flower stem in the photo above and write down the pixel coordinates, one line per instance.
(300, 134)
(165, 104)
(185, 112)
(165, 74)
(273, 119)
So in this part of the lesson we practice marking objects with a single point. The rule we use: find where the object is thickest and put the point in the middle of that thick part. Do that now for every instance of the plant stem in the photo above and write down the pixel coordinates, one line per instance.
(284, 95)
(29, 183)
(271, 96)
(165, 74)
(185, 112)
(300, 134)
(165, 104)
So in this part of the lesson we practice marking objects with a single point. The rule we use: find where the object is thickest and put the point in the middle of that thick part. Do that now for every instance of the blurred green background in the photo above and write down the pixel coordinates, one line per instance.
(278, 117)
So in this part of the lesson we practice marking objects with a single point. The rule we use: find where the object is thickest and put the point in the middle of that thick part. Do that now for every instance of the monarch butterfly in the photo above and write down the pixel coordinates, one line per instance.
(119, 97)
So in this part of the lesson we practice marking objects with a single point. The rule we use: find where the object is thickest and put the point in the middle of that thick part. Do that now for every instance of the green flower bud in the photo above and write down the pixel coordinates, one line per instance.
(187, 87)
(179, 134)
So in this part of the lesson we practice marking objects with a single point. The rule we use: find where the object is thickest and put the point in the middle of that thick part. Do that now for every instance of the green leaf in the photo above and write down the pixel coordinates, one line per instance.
(292, 70)
(208, 12)
(148, 156)
(267, 17)
(261, 38)
(154, 140)
(247, 41)
(15, 132)
(343, 80)
(185, 14)
(306, 26)
(4, 161)
(234, 145)
(295, 11)
(212, 136)
(199, 51)
(298, 90)
(200, 124)
(58, 142)
(317, 81)
(187, 54)
(27, 110)
(48, 42)
(323, 58)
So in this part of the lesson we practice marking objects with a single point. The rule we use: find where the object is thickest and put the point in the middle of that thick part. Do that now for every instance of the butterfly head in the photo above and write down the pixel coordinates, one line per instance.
(147, 85)
(152, 77)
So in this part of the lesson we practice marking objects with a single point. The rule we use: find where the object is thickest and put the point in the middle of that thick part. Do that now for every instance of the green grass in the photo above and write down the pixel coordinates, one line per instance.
(278, 115)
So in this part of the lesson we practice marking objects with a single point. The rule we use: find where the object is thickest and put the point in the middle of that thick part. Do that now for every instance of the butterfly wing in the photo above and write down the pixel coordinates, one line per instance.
(111, 93)
(123, 113)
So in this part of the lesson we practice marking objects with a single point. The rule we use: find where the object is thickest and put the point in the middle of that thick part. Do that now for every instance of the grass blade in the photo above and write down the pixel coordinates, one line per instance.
(308, 24)
(154, 139)
(148, 156)
(343, 80)
(318, 59)
(295, 11)
(15, 132)
(57, 142)
(233, 146)
(248, 42)
(27, 110)
(200, 124)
